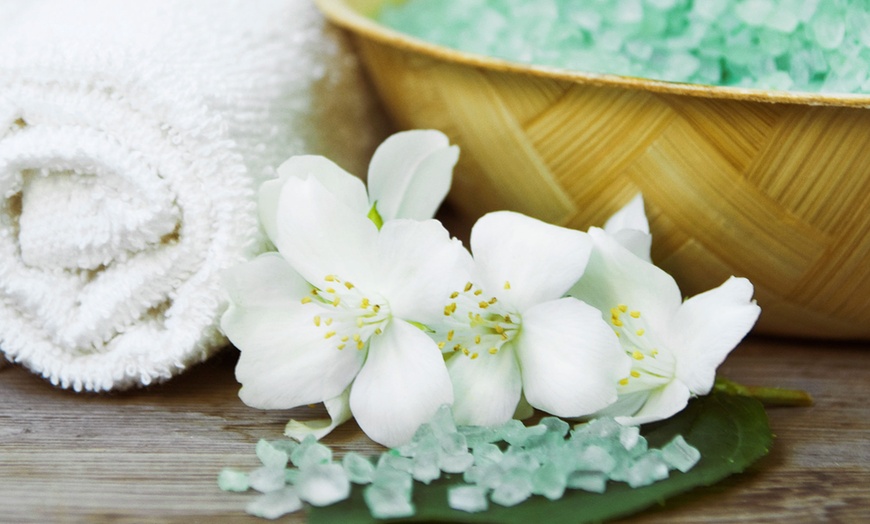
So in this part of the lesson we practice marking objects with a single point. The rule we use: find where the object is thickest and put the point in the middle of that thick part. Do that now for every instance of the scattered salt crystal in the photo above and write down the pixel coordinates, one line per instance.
(233, 480)
(455, 463)
(323, 484)
(359, 469)
(393, 480)
(515, 487)
(271, 456)
(265, 479)
(680, 455)
(470, 499)
(550, 481)
(275, 504)
(593, 481)
(397, 462)
(310, 452)
(426, 467)
(387, 503)
(647, 469)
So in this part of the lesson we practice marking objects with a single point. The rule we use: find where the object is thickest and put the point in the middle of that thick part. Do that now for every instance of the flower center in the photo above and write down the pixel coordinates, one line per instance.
(476, 325)
(650, 367)
(346, 314)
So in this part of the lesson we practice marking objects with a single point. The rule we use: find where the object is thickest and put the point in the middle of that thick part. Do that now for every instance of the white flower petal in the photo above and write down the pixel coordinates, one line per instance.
(662, 403)
(616, 276)
(637, 242)
(707, 327)
(319, 235)
(266, 281)
(631, 216)
(419, 266)
(486, 390)
(338, 409)
(410, 174)
(539, 260)
(285, 361)
(402, 384)
(569, 357)
(345, 187)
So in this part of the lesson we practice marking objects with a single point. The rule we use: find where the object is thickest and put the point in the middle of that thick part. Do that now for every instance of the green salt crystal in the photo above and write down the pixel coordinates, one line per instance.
(455, 462)
(271, 456)
(550, 481)
(471, 499)
(426, 467)
(487, 453)
(518, 458)
(629, 436)
(516, 433)
(323, 484)
(392, 479)
(397, 462)
(310, 452)
(515, 487)
(358, 468)
(275, 504)
(291, 475)
(592, 481)
(555, 425)
(265, 479)
(680, 455)
(387, 503)
(647, 469)
(233, 480)
(453, 443)
(596, 458)
(478, 435)
(442, 423)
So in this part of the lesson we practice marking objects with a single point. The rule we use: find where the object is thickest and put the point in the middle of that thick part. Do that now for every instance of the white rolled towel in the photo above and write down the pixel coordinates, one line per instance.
(133, 136)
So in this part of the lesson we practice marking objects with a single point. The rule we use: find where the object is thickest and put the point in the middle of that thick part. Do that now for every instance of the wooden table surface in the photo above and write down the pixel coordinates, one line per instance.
(153, 455)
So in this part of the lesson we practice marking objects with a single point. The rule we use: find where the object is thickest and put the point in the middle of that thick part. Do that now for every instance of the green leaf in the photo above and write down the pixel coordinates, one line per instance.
(731, 432)
(375, 216)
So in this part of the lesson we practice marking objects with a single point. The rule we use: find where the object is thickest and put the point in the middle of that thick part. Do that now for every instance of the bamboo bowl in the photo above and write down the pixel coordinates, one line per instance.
(773, 186)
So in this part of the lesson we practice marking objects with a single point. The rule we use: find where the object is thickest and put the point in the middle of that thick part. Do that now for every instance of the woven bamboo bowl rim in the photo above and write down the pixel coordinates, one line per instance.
(770, 185)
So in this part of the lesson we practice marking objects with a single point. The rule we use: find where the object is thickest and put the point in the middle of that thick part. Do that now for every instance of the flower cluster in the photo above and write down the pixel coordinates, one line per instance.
(370, 307)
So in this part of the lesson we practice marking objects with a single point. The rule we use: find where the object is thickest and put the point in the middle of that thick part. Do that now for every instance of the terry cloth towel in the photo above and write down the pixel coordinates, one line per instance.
(133, 137)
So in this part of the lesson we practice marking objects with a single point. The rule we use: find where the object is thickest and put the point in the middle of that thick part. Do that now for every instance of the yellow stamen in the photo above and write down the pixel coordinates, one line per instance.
(623, 382)
(637, 355)
(450, 335)
(478, 292)
(329, 334)
(449, 309)
(507, 285)
(341, 346)
(465, 350)
(640, 332)
(477, 339)
(376, 308)
(441, 344)
(474, 356)
(468, 287)
(359, 322)
(360, 344)
(454, 294)
(635, 374)
(499, 329)
(330, 290)
(616, 322)
(654, 352)
(493, 300)
(356, 337)
(457, 347)
(317, 320)
(622, 307)
(348, 285)
(344, 338)
(328, 321)
(364, 303)
(336, 302)
(378, 331)
(504, 336)
(329, 278)
(635, 314)
(483, 305)
(306, 300)
(493, 351)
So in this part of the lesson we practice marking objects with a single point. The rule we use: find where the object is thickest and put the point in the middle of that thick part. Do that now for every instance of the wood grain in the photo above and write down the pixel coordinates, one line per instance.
(153, 455)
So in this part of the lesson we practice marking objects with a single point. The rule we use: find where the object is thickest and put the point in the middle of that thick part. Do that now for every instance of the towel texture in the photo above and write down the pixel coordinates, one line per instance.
(133, 136)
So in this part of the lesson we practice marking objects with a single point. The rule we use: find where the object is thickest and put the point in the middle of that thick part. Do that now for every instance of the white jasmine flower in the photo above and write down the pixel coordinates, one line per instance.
(334, 316)
(409, 176)
(510, 333)
(674, 346)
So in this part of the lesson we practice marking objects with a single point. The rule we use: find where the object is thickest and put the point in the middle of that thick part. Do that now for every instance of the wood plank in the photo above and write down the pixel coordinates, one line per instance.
(153, 455)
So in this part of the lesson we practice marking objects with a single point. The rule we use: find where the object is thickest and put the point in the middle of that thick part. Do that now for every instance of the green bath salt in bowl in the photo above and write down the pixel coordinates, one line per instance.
(799, 45)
